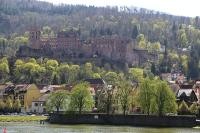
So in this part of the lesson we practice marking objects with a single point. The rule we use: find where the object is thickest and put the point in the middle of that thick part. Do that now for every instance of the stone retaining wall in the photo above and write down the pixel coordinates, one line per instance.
(132, 120)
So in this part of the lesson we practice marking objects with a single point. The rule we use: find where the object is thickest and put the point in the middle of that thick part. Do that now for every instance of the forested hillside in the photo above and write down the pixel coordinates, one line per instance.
(17, 16)
(152, 29)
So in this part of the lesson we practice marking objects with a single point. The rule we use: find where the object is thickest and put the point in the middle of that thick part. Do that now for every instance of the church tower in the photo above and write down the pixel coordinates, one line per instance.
(34, 38)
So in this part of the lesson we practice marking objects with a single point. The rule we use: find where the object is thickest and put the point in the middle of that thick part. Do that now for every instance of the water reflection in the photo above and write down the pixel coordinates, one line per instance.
(50, 128)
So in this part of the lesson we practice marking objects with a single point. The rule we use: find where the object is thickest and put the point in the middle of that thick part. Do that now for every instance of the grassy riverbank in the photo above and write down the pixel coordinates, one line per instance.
(8, 118)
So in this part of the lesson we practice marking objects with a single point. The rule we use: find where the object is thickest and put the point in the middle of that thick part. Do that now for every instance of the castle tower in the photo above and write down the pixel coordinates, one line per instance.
(34, 38)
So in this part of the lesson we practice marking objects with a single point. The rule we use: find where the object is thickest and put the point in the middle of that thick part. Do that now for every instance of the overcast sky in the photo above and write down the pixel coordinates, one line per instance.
(176, 7)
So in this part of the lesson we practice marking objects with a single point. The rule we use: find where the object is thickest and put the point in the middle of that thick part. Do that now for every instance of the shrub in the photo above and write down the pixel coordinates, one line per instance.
(183, 108)
(193, 109)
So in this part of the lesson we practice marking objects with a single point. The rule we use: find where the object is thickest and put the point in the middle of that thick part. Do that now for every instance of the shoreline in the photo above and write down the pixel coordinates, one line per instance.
(104, 119)
(18, 118)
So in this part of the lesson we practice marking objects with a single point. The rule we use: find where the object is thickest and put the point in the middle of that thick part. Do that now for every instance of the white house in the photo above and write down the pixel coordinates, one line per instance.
(39, 106)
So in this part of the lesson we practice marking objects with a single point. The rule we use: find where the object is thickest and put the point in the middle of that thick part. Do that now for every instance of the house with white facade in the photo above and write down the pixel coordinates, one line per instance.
(39, 106)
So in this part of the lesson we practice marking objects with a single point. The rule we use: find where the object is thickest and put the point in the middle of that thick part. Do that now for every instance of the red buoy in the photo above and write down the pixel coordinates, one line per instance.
(4, 130)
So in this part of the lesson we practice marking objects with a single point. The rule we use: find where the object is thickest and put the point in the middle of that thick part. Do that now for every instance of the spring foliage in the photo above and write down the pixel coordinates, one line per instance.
(155, 97)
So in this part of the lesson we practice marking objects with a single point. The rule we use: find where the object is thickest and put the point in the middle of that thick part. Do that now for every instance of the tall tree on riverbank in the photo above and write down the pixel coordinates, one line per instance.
(124, 92)
(57, 100)
(146, 95)
(164, 98)
(81, 98)
(155, 97)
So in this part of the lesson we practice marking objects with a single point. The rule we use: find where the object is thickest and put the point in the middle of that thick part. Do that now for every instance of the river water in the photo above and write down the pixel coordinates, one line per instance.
(31, 127)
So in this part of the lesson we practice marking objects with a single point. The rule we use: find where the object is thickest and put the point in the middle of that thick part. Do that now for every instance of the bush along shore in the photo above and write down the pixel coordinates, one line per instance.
(8, 118)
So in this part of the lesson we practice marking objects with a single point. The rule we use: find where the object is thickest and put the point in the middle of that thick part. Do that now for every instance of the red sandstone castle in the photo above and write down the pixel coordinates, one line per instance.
(110, 47)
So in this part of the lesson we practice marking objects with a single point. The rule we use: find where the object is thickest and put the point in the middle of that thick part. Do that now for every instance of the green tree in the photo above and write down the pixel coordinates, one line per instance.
(32, 60)
(193, 109)
(17, 105)
(182, 37)
(86, 71)
(124, 91)
(146, 95)
(21, 40)
(136, 74)
(29, 72)
(164, 98)
(156, 46)
(96, 75)
(184, 63)
(110, 99)
(52, 64)
(4, 69)
(57, 100)
(9, 104)
(183, 108)
(156, 97)
(111, 78)
(51, 69)
(2, 106)
(55, 80)
(81, 98)
(47, 31)
(141, 41)
(18, 70)
(63, 71)
(73, 73)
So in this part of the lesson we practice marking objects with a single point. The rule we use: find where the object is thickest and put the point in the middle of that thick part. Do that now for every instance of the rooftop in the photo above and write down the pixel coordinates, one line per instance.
(187, 92)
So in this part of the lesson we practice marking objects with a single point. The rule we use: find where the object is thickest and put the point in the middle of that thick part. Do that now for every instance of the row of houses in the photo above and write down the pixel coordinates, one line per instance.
(33, 97)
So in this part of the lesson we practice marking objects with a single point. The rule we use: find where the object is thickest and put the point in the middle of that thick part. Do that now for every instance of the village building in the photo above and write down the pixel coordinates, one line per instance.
(186, 93)
(6, 90)
(26, 93)
(39, 105)
(44, 89)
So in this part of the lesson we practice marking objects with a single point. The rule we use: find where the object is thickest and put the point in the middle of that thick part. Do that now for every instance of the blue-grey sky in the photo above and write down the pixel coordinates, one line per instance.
(175, 7)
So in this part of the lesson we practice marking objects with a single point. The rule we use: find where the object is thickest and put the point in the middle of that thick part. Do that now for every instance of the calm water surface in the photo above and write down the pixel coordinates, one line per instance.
(49, 128)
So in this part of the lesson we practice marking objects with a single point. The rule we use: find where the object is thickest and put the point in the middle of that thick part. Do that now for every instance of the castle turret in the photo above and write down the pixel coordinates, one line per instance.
(34, 38)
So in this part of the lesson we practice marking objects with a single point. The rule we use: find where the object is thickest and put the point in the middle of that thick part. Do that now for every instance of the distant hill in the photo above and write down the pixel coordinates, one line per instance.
(17, 16)
(178, 37)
